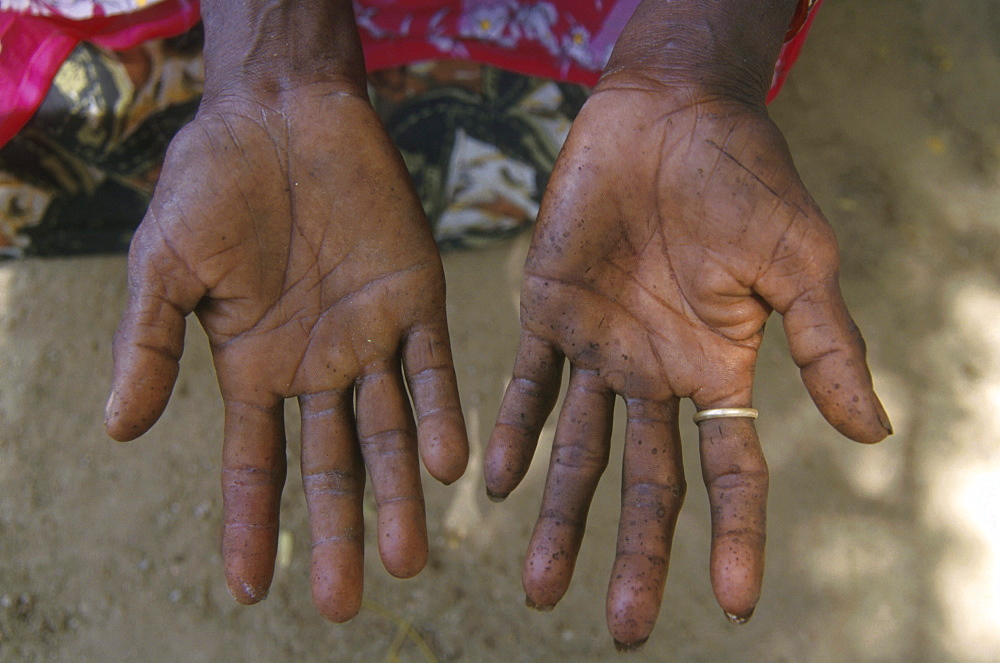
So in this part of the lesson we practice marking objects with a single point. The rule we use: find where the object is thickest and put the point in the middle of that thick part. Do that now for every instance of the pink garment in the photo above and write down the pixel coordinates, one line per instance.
(795, 39)
(568, 40)
(33, 45)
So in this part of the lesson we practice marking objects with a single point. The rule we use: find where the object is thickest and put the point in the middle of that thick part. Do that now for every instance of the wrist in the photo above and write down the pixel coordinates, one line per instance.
(719, 48)
(268, 47)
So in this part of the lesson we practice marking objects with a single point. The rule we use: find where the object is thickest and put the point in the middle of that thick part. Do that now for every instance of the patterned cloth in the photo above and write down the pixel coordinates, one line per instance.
(479, 143)
(104, 100)
(37, 36)
(78, 177)
(567, 40)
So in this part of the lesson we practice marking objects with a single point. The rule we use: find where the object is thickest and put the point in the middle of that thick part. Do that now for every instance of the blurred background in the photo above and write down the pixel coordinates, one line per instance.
(110, 552)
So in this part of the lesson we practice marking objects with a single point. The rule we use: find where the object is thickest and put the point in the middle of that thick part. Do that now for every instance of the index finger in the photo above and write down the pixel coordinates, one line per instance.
(527, 403)
(253, 474)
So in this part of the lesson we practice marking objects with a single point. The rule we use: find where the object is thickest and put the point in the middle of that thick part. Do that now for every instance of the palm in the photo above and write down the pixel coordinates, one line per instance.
(317, 239)
(670, 229)
(295, 236)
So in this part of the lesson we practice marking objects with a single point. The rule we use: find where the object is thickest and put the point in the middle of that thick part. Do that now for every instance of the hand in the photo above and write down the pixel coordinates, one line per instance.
(291, 229)
(673, 224)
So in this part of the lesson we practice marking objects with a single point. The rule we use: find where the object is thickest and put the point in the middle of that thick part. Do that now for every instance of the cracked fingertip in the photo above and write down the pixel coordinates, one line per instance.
(630, 647)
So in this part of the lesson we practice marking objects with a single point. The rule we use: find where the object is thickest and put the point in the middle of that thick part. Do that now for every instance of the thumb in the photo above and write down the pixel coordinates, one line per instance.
(150, 337)
(803, 285)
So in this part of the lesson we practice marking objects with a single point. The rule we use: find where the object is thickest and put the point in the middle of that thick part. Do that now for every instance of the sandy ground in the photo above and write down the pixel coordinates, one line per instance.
(110, 552)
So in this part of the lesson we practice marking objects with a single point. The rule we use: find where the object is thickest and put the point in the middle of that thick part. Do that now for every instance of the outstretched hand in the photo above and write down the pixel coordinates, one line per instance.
(673, 224)
(294, 235)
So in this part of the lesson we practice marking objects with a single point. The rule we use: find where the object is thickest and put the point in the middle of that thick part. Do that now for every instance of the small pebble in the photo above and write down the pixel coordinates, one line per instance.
(25, 603)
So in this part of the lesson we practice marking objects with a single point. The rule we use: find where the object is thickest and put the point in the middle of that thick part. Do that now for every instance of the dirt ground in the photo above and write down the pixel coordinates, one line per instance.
(109, 552)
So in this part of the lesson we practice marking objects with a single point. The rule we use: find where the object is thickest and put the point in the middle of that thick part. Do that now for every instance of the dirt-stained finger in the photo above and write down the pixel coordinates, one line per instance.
(389, 447)
(527, 403)
(579, 456)
(253, 474)
(333, 477)
(653, 489)
(430, 374)
(830, 352)
(735, 474)
(803, 285)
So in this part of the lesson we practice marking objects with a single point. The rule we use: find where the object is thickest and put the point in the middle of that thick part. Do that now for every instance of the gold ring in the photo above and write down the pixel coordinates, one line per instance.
(724, 412)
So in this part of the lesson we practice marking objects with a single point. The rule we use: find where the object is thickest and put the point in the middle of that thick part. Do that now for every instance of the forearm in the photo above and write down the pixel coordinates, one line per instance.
(729, 46)
(277, 45)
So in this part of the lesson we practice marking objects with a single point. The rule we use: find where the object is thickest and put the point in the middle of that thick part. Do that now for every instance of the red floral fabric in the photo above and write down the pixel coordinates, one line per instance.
(568, 40)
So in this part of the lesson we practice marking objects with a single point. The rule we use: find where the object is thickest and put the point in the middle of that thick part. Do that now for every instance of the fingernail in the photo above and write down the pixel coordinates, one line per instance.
(109, 406)
(630, 647)
(536, 606)
(495, 497)
(883, 417)
(739, 619)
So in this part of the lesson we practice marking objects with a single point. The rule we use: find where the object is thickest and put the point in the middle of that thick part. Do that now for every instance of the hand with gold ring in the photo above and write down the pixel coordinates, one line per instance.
(673, 225)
